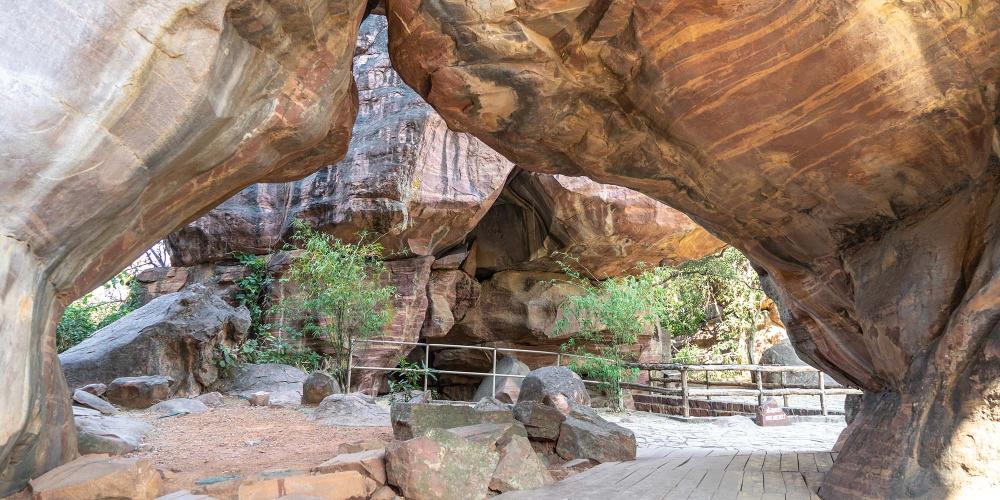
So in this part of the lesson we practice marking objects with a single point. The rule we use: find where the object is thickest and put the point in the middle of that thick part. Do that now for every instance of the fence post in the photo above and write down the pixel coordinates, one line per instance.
(822, 392)
(707, 386)
(493, 384)
(782, 381)
(350, 367)
(427, 363)
(760, 387)
(558, 359)
(684, 392)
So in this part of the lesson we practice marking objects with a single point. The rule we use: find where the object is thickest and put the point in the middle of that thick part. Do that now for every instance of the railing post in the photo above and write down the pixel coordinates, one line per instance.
(782, 382)
(493, 384)
(707, 386)
(427, 363)
(558, 359)
(350, 367)
(822, 392)
(760, 387)
(684, 392)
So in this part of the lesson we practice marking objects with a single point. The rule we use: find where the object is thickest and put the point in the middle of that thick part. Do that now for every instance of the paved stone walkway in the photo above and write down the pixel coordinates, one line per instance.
(738, 434)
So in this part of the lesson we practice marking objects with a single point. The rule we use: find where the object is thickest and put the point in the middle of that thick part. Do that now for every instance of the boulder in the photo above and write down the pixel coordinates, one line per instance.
(370, 463)
(584, 434)
(452, 294)
(385, 492)
(91, 401)
(358, 446)
(784, 354)
(259, 398)
(555, 386)
(440, 464)
(140, 392)
(491, 435)
(176, 335)
(852, 405)
(111, 435)
(99, 477)
(178, 406)
(211, 399)
(346, 485)
(519, 467)
(95, 389)
(268, 377)
(318, 386)
(492, 404)
(351, 410)
(505, 389)
(415, 419)
(542, 422)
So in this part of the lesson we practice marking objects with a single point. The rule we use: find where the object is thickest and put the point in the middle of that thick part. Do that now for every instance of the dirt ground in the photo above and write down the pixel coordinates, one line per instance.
(241, 439)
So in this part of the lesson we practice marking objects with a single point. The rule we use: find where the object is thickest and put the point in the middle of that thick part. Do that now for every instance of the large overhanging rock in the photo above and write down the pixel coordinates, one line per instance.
(123, 120)
(850, 148)
(406, 177)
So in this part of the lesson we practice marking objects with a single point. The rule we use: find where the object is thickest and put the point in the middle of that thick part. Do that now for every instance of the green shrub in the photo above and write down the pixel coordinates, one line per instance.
(89, 313)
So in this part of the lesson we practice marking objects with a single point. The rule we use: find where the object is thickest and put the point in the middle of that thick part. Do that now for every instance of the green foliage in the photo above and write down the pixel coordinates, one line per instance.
(339, 296)
(409, 377)
(253, 291)
(90, 313)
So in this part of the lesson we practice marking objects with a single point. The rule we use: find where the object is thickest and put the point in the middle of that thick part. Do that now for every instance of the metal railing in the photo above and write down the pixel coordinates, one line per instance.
(427, 370)
(736, 388)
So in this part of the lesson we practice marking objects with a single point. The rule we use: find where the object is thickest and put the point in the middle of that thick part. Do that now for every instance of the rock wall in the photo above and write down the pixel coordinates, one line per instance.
(850, 148)
(123, 121)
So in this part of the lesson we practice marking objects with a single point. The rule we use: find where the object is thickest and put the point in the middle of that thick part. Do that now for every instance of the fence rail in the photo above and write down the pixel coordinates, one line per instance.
(684, 391)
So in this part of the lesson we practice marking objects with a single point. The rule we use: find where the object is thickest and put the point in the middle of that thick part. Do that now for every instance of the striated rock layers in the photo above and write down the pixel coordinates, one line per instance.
(850, 148)
(123, 121)
(475, 235)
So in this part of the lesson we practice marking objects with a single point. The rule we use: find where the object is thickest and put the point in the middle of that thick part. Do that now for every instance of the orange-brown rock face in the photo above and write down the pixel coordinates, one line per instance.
(849, 147)
(123, 120)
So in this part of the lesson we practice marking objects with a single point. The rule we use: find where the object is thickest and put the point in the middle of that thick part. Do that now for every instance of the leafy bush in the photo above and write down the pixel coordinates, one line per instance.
(90, 313)
(339, 296)
(408, 378)
(253, 291)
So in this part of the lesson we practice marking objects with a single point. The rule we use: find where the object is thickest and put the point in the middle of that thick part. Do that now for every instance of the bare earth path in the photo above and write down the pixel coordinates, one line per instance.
(240, 439)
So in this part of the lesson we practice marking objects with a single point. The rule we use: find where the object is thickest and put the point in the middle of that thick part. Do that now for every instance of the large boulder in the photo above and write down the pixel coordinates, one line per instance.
(416, 419)
(140, 392)
(99, 477)
(505, 389)
(351, 410)
(318, 386)
(542, 422)
(272, 378)
(292, 483)
(783, 354)
(370, 463)
(89, 400)
(179, 406)
(555, 386)
(176, 335)
(519, 467)
(584, 434)
(440, 464)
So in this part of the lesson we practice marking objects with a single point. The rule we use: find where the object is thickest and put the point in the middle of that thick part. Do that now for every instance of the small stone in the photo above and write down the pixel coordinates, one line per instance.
(178, 406)
(91, 401)
(259, 398)
(317, 386)
(97, 477)
(95, 389)
(211, 399)
(519, 468)
(584, 434)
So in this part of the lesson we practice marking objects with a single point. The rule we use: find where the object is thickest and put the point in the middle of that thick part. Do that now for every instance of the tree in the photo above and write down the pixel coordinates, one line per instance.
(338, 294)
(608, 316)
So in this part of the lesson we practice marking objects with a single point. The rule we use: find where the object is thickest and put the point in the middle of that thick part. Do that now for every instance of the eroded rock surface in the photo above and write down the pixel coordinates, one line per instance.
(849, 148)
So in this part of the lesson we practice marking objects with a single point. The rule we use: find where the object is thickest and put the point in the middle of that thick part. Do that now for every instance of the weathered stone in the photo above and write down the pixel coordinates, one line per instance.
(852, 405)
(541, 421)
(211, 399)
(284, 399)
(176, 335)
(584, 434)
(267, 377)
(555, 386)
(95, 389)
(492, 404)
(97, 476)
(784, 355)
(91, 401)
(492, 436)
(140, 392)
(440, 464)
(259, 398)
(185, 495)
(180, 406)
(385, 492)
(111, 435)
(351, 410)
(410, 420)
(369, 463)
(519, 468)
(347, 485)
(359, 446)
(505, 389)
(452, 294)
(318, 386)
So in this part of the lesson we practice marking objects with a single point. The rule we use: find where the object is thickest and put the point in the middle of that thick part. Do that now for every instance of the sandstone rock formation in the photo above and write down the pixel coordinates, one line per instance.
(849, 148)
(406, 175)
(177, 335)
(124, 121)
